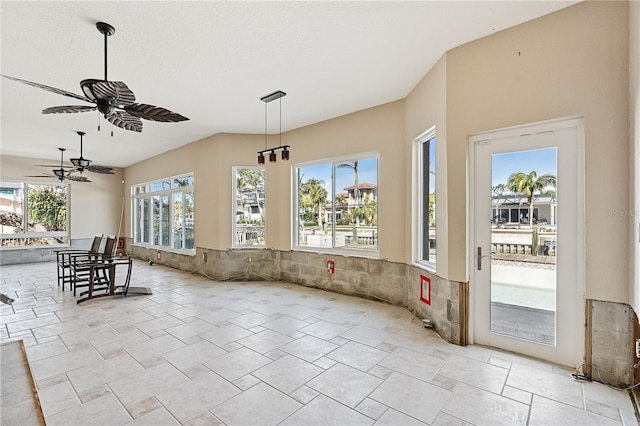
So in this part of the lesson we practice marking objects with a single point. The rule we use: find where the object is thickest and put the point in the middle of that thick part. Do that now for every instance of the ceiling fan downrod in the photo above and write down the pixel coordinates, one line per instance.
(107, 30)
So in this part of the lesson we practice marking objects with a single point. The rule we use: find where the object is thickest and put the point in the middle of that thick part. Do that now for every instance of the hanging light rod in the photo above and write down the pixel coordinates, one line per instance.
(278, 148)
(272, 151)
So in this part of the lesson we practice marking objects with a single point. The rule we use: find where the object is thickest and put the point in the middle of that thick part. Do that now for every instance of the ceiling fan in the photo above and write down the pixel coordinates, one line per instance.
(111, 98)
(63, 173)
(81, 164)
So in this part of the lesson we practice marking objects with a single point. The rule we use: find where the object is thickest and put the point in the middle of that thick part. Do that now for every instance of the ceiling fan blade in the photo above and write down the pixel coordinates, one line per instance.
(68, 109)
(154, 113)
(49, 88)
(108, 90)
(77, 178)
(125, 120)
(100, 169)
(41, 176)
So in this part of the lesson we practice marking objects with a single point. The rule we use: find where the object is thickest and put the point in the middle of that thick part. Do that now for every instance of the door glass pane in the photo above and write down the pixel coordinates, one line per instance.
(188, 221)
(156, 220)
(165, 220)
(178, 220)
(145, 220)
(523, 259)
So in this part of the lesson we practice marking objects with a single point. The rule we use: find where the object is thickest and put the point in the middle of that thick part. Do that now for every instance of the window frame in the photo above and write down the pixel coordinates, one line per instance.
(419, 200)
(166, 190)
(333, 161)
(24, 185)
(234, 223)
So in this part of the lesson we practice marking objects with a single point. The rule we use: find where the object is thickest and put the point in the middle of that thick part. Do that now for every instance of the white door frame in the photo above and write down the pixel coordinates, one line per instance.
(576, 355)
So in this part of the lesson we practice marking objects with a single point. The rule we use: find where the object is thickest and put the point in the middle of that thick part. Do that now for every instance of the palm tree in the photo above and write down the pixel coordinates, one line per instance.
(356, 187)
(498, 191)
(356, 193)
(529, 184)
(315, 194)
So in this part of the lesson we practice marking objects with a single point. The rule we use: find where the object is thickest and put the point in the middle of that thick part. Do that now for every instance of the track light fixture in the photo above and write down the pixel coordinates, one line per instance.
(273, 157)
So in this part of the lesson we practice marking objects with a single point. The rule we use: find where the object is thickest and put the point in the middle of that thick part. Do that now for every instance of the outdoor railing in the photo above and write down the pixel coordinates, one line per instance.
(548, 248)
(249, 235)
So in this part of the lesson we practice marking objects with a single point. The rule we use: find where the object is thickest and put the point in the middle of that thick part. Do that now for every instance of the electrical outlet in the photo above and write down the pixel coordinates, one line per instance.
(249, 259)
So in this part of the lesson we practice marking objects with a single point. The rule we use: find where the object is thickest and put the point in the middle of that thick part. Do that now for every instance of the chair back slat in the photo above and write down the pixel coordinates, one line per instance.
(110, 246)
(95, 245)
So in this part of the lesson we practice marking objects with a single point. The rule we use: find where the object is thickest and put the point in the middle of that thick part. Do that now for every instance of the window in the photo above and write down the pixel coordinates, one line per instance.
(33, 214)
(249, 206)
(427, 198)
(337, 205)
(163, 213)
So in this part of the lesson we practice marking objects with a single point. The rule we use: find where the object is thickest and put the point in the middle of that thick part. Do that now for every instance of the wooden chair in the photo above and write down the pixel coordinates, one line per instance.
(63, 260)
(82, 271)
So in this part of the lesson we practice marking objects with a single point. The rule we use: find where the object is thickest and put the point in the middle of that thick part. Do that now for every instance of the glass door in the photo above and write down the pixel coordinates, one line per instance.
(526, 282)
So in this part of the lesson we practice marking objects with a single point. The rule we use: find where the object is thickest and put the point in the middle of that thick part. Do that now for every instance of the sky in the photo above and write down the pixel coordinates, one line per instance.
(541, 160)
(367, 172)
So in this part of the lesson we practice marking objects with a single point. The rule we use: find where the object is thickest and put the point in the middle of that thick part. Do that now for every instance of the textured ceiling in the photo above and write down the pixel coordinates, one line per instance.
(212, 61)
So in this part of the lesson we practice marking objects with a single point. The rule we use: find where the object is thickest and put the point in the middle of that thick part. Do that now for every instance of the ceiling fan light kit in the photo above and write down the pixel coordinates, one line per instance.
(273, 157)
(113, 99)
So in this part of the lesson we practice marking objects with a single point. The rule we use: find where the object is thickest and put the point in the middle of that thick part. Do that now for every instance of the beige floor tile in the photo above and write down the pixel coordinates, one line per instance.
(478, 406)
(146, 383)
(345, 384)
(546, 411)
(260, 405)
(238, 363)
(309, 348)
(196, 396)
(357, 355)
(287, 373)
(411, 396)
(325, 411)
(98, 412)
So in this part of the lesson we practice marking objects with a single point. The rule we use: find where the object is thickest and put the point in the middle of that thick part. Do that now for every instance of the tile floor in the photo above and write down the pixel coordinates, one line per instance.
(200, 352)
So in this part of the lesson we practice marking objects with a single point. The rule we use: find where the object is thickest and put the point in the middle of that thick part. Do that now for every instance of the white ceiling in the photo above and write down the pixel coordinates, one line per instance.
(211, 61)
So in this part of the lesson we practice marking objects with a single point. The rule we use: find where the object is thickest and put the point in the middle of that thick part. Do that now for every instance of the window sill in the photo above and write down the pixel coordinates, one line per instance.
(249, 248)
(431, 268)
(367, 254)
(186, 252)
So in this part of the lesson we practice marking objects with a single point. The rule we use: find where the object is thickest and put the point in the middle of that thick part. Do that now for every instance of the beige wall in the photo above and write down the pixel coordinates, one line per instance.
(426, 106)
(379, 129)
(572, 62)
(95, 207)
(211, 160)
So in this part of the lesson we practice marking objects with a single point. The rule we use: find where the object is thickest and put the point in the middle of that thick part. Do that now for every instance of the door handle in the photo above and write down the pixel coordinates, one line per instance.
(480, 256)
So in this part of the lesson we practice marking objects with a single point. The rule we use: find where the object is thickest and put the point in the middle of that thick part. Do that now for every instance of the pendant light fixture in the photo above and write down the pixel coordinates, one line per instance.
(273, 157)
